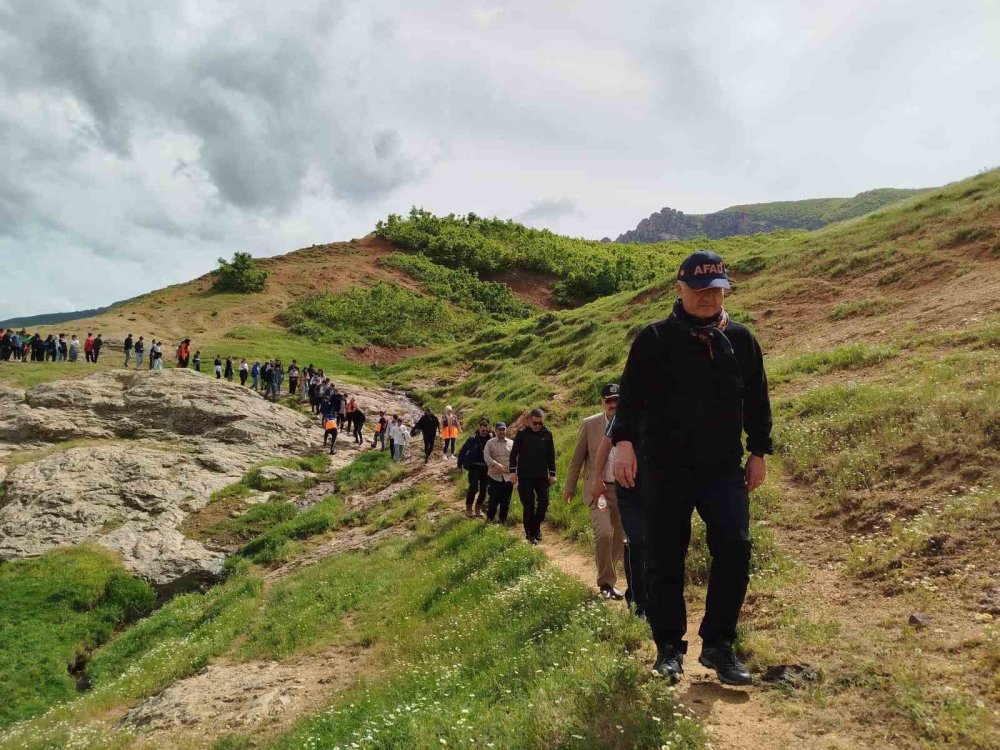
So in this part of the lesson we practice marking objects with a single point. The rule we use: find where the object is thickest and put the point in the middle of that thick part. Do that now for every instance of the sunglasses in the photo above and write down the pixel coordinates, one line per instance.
(536, 423)
(611, 400)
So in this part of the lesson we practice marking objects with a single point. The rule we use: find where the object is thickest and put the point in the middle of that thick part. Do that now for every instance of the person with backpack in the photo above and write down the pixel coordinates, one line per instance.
(472, 460)
(98, 345)
(128, 347)
(693, 384)
(429, 426)
(449, 431)
(533, 472)
(380, 429)
(330, 432)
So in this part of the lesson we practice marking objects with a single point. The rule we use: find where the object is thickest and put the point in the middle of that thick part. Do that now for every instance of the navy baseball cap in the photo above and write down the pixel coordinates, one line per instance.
(500, 426)
(611, 389)
(703, 269)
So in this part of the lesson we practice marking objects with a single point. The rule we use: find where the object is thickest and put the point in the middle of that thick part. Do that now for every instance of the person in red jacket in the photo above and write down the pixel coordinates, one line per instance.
(88, 348)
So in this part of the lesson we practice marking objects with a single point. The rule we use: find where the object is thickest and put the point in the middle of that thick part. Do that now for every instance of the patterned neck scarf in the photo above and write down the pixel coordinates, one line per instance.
(710, 331)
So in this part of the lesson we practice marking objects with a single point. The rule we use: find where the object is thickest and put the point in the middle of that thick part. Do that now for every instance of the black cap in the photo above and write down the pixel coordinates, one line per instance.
(611, 389)
(703, 269)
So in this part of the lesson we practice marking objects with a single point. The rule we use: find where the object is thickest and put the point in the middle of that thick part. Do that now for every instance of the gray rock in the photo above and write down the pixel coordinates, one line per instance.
(919, 620)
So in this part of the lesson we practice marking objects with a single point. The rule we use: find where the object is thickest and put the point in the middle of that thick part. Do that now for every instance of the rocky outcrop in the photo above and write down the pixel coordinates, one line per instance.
(120, 459)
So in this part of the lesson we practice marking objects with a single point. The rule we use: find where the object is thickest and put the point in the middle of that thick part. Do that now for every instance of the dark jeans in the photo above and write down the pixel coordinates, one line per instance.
(500, 493)
(243, 377)
(94, 355)
(428, 444)
(630, 510)
(477, 485)
(449, 445)
(722, 501)
(357, 433)
(379, 436)
(534, 495)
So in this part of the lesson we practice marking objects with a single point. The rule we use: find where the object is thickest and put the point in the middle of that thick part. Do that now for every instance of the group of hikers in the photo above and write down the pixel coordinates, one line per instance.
(18, 346)
(667, 441)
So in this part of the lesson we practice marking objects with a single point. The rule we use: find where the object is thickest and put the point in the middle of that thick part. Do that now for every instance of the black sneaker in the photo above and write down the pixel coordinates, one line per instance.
(669, 664)
(530, 539)
(538, 538)
(610, 592)
(722, 659)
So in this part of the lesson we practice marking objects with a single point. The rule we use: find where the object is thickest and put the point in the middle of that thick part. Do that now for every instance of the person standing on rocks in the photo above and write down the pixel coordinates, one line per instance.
(609, 537)
(449, 431)
(429, 426)
(128, 347)
(472, 460)
(533, 471)
(496, 454)
(693, 383)
(140, 348)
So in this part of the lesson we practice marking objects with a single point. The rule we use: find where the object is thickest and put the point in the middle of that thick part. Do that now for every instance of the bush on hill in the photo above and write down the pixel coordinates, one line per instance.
(240, 275)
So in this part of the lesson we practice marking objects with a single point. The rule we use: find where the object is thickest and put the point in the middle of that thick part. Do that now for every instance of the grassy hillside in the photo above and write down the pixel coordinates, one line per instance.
(882, 337)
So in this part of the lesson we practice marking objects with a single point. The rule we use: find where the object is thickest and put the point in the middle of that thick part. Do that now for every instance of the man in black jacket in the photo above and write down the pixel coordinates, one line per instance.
(429, 425)
(471, 459)
(533, 471)
(692, 384)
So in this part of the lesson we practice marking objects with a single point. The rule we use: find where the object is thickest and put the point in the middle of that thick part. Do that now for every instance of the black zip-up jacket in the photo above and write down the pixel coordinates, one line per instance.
(533, 455)
(686, 407)
(428, 424)
(471, 455)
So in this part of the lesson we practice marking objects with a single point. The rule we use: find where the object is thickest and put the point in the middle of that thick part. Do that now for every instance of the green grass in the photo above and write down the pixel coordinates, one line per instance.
(850, 357)
(53, 609)
(862, 308)
(371, 471)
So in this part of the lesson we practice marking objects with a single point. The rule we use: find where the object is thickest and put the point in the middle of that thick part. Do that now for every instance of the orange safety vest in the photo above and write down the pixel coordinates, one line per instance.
(331, 424)
(449, 427)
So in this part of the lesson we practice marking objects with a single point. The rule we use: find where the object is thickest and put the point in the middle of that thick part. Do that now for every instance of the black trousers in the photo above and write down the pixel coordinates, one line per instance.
(357, 433)
(477, 486)
(534, 495)
(428, 444)
(630, 510)
(500, 493)
(449, 445)
(721, 498)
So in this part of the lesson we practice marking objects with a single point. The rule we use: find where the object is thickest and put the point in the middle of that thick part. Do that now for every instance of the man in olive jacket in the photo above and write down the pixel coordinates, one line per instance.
(533, 471)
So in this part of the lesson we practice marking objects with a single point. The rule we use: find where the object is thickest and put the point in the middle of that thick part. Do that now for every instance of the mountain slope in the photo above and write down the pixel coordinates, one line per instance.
(671, 224)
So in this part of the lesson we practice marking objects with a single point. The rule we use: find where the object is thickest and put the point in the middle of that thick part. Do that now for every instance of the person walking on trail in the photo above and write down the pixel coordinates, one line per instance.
(400, 437)
(496, 454)
(244, 371)
(330, 431)
(358, 420)
(472, 460)
(449, 431)
(390, 432)
(380, 428)
(609, 537)
(429, 426)
(533, 472)
(293, 379)
(140, 349)
(341, 400)
(630, 510)
(693, 383)
(128, 346)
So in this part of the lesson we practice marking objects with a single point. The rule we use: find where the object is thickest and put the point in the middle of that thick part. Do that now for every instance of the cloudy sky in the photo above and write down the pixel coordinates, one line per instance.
(140, 141)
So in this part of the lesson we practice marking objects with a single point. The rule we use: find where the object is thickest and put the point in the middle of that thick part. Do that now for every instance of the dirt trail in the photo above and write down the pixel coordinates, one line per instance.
(734, 717)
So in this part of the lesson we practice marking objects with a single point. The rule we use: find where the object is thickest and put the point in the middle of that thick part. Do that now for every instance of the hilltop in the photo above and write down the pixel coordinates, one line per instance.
(407, 626)
(671, 224)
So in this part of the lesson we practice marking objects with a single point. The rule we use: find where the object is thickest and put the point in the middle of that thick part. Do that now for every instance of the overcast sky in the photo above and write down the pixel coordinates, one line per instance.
(140, 141)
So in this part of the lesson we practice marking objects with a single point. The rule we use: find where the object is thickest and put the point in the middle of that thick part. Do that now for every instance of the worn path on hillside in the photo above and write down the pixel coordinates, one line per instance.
(734, 718)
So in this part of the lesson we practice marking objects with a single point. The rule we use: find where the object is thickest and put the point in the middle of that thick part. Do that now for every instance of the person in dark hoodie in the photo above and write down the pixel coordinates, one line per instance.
(98, 344)
(470, 458)
(693, 383)
(533, 471)
(429, 426)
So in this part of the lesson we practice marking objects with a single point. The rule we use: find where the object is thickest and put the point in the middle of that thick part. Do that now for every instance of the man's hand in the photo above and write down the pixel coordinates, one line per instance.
(597, 488)
(626, 464)
(756, 472)
(567, 495)
(552, 481)
(513, 479)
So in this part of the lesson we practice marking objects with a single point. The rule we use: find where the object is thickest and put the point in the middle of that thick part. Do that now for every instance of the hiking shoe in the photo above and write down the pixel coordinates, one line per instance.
(722, 659)
(468, 512)
(669, 664)
(610, 592)
(479, 513)
(538, 538)
(530, 539)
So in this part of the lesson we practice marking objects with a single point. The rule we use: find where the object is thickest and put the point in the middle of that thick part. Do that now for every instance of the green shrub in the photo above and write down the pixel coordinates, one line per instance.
(241, 275)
